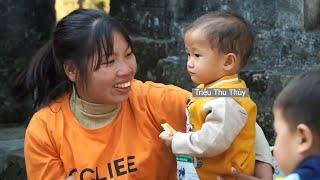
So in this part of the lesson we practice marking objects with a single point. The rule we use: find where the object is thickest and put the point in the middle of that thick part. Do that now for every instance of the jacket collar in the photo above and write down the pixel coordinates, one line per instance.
(224, 79)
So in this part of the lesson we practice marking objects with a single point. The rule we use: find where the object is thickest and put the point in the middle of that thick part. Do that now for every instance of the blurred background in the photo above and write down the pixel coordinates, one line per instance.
(287, 42)
(64, 7)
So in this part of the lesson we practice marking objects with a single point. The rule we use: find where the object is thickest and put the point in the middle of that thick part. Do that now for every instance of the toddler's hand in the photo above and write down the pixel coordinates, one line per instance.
(167, 134)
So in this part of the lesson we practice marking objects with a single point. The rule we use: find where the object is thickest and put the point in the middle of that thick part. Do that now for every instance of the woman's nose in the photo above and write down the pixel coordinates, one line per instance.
(125, 69)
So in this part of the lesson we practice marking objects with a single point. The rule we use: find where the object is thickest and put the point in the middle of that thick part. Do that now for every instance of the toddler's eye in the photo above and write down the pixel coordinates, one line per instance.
(197, 55)
(187, 53)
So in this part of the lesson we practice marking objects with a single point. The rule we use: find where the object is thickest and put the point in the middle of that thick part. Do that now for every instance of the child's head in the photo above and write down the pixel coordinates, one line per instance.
(297, 120)
(218, 44)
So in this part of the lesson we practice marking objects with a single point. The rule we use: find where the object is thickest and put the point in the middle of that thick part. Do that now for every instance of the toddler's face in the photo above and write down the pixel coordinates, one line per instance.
(285, 147)
(205, 64)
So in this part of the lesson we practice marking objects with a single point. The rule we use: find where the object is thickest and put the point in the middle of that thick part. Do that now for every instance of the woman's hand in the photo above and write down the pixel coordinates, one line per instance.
(263, 171)
(239, 176)
(70, 178)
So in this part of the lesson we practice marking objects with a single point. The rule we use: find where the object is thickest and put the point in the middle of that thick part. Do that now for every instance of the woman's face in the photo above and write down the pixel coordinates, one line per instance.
(111, 83)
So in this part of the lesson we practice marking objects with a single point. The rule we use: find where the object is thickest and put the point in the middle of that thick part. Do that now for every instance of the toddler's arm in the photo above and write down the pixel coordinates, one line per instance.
(224, 120)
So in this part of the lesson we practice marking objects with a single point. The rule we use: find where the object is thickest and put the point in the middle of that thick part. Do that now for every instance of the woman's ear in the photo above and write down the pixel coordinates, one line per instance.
(230, 62)
(305, 138)
(71, 71)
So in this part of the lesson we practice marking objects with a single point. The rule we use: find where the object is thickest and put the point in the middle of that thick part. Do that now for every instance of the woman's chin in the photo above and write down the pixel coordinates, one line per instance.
(116, 99)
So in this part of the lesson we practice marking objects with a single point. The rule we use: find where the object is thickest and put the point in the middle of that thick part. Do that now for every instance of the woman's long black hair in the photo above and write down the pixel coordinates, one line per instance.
(81, 38)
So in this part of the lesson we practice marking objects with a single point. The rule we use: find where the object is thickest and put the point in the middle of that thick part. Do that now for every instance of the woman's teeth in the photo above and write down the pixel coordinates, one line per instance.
(123, 85)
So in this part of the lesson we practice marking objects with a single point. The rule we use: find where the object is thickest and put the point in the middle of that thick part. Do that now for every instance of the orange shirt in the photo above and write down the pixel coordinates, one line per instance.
(56, 145)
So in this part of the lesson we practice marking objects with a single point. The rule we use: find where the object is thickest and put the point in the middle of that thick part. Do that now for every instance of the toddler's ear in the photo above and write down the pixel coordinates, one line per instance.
(230, 62)
(305, 138)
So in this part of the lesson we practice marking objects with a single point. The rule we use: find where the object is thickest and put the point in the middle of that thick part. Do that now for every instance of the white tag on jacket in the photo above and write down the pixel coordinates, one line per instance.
(185, 168)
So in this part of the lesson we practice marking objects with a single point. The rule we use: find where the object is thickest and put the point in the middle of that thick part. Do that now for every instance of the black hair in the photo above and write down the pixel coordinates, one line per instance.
(82, 38)
(299, 101)
(227, 32)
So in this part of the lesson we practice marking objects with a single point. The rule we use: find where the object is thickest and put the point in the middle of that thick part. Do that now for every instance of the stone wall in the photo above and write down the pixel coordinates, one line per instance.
(25, 25)
(287, 42)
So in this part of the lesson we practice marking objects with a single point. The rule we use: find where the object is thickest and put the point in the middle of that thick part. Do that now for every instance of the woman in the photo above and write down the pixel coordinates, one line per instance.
(94, 121)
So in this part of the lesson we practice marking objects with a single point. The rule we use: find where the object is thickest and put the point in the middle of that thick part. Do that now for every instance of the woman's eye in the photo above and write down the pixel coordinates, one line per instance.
(188, 54)
(110, 61)
(129, 54)
(197, 55)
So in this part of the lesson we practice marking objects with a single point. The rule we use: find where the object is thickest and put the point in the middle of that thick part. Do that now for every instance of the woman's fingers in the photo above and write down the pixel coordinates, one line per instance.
(237, 176)
(240, 176)
(70, 178)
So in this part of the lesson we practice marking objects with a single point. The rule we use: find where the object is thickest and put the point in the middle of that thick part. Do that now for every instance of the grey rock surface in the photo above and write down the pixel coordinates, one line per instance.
(25, 25)
(11, 153)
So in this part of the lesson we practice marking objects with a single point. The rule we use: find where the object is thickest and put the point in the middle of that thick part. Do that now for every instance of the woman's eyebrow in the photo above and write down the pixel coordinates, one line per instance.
(128, 47)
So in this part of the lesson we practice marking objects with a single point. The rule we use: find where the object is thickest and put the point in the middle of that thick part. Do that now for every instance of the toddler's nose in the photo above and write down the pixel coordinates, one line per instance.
(190, 63)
